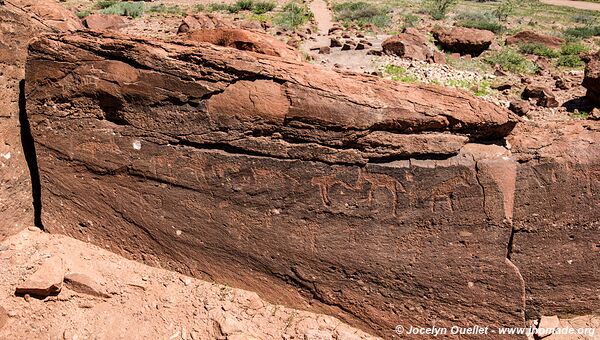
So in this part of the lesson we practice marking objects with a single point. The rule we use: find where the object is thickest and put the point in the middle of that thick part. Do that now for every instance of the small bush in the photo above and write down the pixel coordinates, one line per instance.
(410, 20)
(584, 19)
(479, 20)
(539, 50)
(505, 9)
(438, 9)
(200, 8)
(162, 8)
(399, 73)
(362, 13)
(102, 4)
(83, 14)
(244, 5)
(263, 7)
(293, 16)
(573, 49)
(217, 7)
(583, 32)
(580, 115)
(511, 61)
(569, 61)
(129, 9)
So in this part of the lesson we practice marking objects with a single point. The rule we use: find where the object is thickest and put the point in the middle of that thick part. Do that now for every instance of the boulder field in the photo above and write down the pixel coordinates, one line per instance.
(381, 203)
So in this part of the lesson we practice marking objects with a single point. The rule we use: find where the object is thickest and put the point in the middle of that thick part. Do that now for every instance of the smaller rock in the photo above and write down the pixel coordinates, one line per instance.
(335, 29)
(102, 22)
(595, 114)
(544, 96)
(375, 52)
(439, 58)
(530, 37)
(324, 50)
(346, 47)
(520, 107)
(47, 280)
(84, 284)
(562, 84)
(360, 46)
(335, 43)
(502, 86)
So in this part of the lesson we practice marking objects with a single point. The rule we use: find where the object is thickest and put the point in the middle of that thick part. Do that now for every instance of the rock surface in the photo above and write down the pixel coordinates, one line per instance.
(145, 303)
(278, 177)
(555, 242)
(530, 37)
(244, 40)
(84, 284)
(463, 40)
(20, 21)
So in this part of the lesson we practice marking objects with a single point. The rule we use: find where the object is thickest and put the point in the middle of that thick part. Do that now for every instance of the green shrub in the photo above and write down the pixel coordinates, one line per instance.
(399, 73)
(583, 32)
(584, 19)
(410, 20)
(505, 9)
(362, 13)
(479, 20)
(217, 7)
(244, 5)
(83, 14)
(162, 8)
(538, 49)
(569, 61)
(575, 48)
(102, 4)
(580, 115)
(129, 9)
(263, 7)
(511, 61)
(200, 8)
(293, 15)
(438, 9)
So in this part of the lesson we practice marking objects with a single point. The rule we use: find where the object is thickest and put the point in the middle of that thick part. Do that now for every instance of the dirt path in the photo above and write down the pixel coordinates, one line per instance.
(324, 20)
(323, 16)
(592, 6)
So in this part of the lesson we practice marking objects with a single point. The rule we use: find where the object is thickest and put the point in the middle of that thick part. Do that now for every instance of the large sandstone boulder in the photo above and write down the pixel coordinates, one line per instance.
(463, 40)
(383, 203)
(244, 40)
(202, 21)
(409, 44)
(349, 194)
(591, 80)
(101, 22)
(50, 13)
(530, 37)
